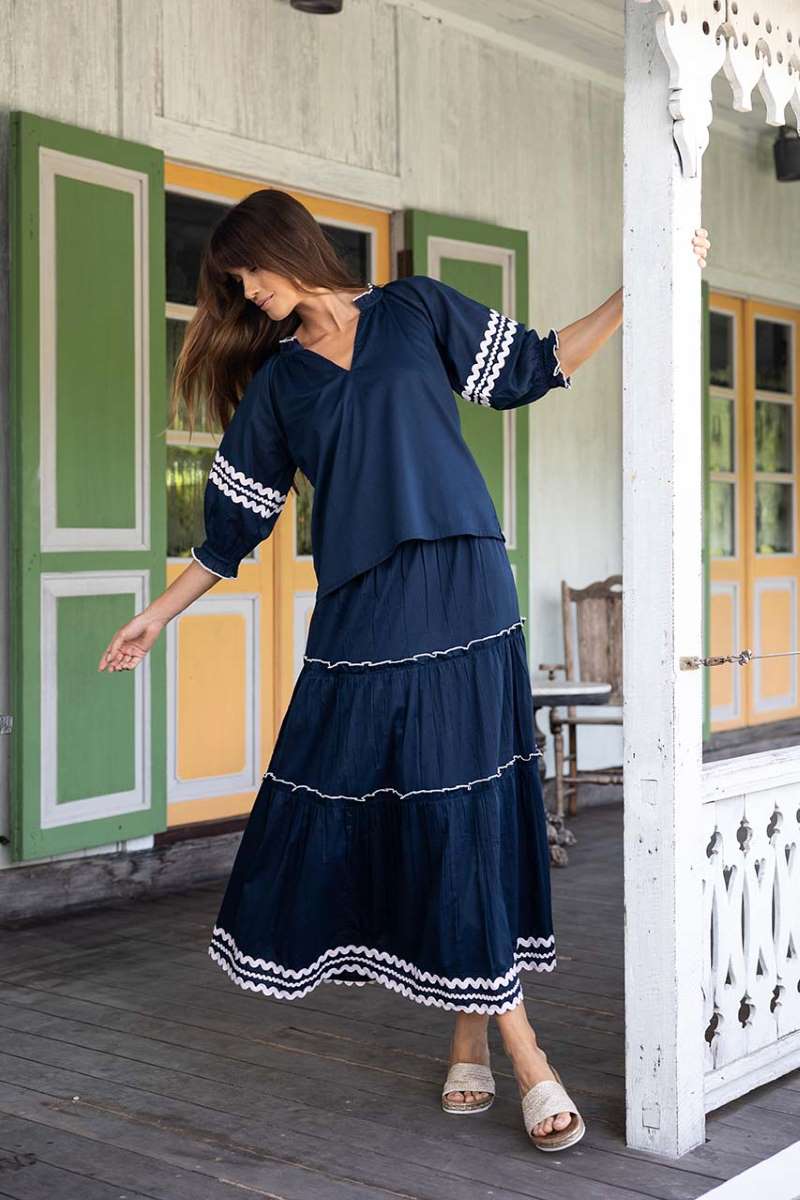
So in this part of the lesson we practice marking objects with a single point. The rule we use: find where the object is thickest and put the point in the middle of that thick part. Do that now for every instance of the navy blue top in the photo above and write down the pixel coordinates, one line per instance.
(381, 443)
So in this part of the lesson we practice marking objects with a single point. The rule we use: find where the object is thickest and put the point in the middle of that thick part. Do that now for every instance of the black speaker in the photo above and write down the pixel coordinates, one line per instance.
(317, 6)
(787, 155)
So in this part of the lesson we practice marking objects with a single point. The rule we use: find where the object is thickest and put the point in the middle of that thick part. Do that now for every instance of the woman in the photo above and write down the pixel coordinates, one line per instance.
(398, 835)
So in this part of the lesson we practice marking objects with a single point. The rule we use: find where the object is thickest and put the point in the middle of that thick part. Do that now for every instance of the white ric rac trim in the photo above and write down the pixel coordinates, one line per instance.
(557, 369)
(345, 662)
(456, 787)
(263, 500)
(202, 564)
(378, 966)
(492, 354)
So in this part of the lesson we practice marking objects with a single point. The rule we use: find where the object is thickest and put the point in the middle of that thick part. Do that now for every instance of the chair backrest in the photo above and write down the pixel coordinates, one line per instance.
(593, 650)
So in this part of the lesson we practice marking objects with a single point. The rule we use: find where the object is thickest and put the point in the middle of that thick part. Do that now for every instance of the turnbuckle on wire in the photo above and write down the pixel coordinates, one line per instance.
(692, 662)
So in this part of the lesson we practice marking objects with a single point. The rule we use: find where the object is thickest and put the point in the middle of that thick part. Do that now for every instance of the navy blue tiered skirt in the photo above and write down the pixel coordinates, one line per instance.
(399, 833)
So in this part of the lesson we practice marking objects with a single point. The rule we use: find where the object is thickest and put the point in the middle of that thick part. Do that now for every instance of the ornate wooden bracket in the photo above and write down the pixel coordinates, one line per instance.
(756, 46)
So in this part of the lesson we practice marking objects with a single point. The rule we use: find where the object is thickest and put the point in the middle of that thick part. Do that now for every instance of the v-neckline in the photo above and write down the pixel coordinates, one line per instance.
(294, 343)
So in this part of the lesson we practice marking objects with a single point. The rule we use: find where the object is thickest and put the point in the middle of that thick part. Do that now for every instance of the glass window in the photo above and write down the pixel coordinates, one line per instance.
(721, 349)
(189, 222)
(187, 470)
(722, 533)
(303, 504)
(773, 356)
(353, 246)
(774, 503)
(721, 437)
(175, 331)
(773, 436)
(189, 457)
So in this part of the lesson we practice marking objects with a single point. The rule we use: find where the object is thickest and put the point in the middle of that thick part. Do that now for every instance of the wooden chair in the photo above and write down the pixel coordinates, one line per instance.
(598, 657)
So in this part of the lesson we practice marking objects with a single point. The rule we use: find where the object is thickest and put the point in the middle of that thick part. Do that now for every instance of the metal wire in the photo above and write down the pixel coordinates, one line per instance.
(692, 662)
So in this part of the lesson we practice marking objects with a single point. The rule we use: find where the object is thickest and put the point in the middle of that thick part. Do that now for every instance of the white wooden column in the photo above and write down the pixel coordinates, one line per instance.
(662, 613)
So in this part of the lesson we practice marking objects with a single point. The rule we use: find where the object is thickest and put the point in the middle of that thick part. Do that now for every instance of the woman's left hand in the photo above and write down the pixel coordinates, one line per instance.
(701, 245)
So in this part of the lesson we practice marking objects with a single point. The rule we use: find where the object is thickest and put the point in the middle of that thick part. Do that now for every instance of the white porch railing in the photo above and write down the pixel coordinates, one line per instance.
(751, 921)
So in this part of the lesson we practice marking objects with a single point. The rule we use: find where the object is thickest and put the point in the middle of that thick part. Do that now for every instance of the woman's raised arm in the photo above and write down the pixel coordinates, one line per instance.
(579, 341)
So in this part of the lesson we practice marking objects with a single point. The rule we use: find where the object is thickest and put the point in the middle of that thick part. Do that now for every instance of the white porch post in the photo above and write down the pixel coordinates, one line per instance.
(662, 612)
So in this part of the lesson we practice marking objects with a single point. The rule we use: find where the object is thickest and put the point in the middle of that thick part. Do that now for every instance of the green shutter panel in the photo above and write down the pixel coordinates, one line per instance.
(489, 263)
(88, 496)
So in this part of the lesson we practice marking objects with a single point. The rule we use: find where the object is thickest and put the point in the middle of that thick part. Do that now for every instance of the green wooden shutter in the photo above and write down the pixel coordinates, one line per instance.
(489, 263)
(706, 410)
(88, 496)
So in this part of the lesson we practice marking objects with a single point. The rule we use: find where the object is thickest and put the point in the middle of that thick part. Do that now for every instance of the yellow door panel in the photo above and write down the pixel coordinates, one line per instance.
(725, 692)
(212, 654)
(776, 604)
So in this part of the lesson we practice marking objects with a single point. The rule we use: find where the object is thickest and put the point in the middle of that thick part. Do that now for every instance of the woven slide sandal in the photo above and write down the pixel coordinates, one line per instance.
(546, 1099)
(468, 1077)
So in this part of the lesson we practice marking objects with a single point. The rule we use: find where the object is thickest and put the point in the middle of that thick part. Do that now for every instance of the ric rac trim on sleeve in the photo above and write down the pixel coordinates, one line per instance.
(490, 357)
(248, 482)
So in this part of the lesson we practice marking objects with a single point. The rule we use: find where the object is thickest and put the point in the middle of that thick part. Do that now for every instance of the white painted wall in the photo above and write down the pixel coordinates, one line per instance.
(396, 103)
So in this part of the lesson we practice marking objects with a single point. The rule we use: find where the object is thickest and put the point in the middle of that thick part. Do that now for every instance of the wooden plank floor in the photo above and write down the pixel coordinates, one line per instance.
(752, 739)
(130, 1065)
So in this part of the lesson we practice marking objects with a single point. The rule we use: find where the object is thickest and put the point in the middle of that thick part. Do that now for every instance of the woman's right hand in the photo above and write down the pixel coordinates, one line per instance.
(129, 644)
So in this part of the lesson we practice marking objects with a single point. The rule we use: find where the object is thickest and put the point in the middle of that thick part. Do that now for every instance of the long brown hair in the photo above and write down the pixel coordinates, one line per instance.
(228, 337)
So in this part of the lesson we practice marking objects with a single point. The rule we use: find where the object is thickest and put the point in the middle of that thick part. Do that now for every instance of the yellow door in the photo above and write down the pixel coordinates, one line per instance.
(753, 457)
(234, 656)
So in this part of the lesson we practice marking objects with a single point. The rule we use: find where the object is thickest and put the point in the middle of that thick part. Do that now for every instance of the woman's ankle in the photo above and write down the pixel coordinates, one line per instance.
(472, 1038)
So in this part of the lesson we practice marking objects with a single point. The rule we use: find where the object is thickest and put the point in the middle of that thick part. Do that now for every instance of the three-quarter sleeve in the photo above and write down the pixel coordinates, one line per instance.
(490, 358)
(247, 484)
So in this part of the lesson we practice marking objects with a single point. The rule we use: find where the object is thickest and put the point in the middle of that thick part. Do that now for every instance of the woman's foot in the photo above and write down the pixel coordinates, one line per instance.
(469, 1044)
(529, 1062)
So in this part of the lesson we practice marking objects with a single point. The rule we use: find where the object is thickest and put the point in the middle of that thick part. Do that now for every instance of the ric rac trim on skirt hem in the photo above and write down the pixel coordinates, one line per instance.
(470, 995)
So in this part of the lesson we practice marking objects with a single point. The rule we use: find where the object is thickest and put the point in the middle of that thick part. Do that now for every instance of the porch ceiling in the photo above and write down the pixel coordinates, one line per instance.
(591, 33)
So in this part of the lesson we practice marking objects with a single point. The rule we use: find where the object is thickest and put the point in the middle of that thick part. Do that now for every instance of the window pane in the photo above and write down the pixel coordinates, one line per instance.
(721, 518)
(721, 349)
(187, 470)
(772, 356)
(304, 501)
(773, 436)
(189, 223)
(352, 246)
(720, 450)
(773, 517)
(175, 332)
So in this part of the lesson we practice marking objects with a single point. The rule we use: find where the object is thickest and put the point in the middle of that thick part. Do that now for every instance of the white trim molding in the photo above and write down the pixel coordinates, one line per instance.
(53, 814)
(52, 165)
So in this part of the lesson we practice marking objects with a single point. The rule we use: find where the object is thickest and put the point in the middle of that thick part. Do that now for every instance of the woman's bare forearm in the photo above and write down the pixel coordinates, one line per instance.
(192, 583)
(580, 340)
